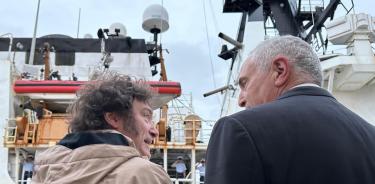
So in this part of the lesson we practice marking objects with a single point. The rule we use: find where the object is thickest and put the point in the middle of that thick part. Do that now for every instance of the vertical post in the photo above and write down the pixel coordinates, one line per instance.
(330, 79)
(164, 108)
(163, 123)
(162, 66)
(194, 130)
(165, 161)
(17, 173)
(193, 165)
(32, 49)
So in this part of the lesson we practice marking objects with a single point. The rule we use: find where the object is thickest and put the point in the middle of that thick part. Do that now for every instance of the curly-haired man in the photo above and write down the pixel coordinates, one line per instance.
(110, 131)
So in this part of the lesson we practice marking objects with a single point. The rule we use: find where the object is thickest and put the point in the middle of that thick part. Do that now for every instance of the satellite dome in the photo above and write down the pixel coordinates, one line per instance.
(121, 27)
(55, 36)
(87, 36)
(155, 17)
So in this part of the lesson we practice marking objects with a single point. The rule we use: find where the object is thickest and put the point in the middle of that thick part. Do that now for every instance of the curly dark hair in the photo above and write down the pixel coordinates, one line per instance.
(111, 93)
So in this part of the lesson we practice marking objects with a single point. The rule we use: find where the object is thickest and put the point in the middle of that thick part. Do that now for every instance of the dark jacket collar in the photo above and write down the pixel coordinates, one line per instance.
(306, 90)
(79, 139)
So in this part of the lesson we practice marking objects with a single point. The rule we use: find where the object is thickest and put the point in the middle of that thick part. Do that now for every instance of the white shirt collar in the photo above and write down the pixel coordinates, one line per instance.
(305, 84)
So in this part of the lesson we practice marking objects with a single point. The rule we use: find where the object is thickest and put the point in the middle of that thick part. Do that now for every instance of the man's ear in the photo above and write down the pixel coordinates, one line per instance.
(112, 119)
(280, 67)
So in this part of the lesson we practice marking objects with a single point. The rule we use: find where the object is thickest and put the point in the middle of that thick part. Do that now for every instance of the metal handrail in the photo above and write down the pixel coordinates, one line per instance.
(176, 180)
(10, 43)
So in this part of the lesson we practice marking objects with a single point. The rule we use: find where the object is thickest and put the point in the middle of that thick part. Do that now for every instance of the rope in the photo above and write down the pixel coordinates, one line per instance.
(216, 25)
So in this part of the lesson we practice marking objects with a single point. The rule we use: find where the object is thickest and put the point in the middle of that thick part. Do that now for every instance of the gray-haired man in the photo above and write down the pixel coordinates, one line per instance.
(292, 131)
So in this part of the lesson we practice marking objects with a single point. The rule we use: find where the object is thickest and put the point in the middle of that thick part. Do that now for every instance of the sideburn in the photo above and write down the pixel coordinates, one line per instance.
(130, 126)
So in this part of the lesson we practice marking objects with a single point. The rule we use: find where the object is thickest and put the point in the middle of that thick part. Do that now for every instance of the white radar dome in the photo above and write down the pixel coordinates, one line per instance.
(88, 35)
(121, 27)
(155, 16)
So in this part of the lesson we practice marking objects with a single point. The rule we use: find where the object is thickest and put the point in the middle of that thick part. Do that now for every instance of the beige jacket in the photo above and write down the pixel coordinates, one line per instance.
(96, 163)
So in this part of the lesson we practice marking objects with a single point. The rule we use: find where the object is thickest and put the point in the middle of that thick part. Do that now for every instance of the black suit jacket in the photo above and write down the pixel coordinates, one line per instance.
(305, 136)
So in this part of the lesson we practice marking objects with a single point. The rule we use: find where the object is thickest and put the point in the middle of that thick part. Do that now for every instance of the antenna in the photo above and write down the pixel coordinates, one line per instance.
(79, 21)
(32, 49)
(155, 21)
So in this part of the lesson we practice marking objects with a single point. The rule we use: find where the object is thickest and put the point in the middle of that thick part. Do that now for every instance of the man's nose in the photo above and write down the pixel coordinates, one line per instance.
(154, 132)
(241, 100)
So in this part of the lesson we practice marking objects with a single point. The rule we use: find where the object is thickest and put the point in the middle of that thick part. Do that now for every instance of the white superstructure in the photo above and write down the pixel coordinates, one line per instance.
(351, 76)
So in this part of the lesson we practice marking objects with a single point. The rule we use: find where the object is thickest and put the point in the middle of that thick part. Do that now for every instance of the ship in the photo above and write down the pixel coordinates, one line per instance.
(61, 64)
(42, 75)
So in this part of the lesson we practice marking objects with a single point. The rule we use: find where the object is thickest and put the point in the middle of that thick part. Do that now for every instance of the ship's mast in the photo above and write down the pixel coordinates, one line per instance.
(283, 17)
(46, 52)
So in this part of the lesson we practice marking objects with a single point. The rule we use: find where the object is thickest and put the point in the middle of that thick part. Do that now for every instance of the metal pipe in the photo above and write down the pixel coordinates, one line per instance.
(163, 71)
(79, 21)
(230, 40)
(32, 49)
(218, 90)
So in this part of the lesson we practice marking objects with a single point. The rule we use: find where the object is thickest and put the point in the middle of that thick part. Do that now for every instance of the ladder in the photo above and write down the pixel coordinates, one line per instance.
(30, 133)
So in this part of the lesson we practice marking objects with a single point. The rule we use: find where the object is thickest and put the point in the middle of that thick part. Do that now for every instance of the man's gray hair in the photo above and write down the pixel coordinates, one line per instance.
(302, 56)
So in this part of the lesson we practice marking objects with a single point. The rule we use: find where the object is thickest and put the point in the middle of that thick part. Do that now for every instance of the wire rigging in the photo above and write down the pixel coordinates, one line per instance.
(216, 25)
(209, 48)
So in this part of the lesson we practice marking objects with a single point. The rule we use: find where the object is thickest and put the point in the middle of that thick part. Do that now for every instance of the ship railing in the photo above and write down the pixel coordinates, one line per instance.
(27, 181)
(188, 179)
(185, 180)
(191, 132)
(48, 130)
(10, 44)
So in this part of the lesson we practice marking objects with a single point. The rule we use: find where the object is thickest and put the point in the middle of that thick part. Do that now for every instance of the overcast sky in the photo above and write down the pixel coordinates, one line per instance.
(189, 58)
